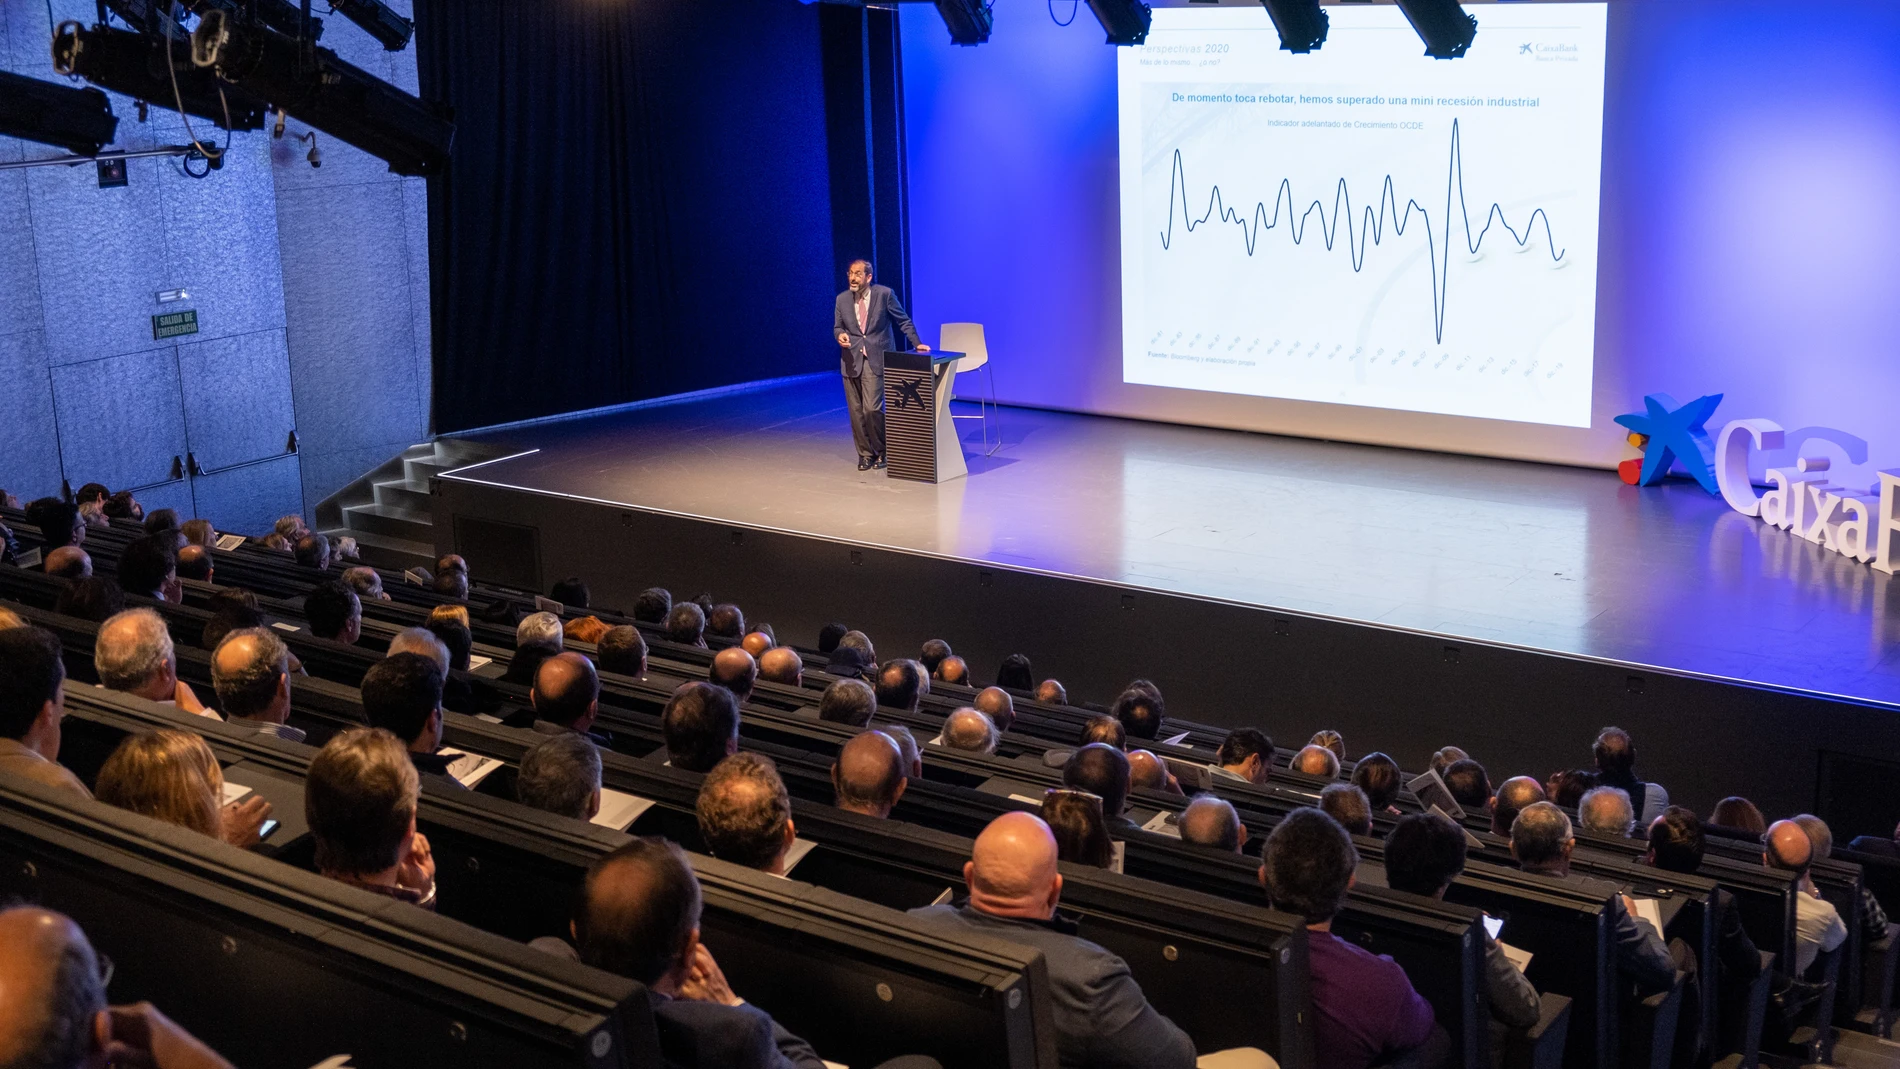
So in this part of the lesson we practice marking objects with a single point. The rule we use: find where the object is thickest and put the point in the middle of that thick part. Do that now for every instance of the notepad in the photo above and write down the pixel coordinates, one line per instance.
(796, 853)
(1117, 853)
(230, 542)
(949, 895)
(1177, 740)
(476, 661)
(1650, 910)
(491, 719)
(938, 741)
(28, 558)
(282, 626)
(618, 810)
(1025, 798)
(467, 768)
(234, 792)
(1165, 823)
(1519, 958)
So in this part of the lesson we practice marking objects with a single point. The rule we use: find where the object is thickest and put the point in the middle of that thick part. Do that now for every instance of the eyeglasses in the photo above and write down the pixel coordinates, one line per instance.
(105, 971)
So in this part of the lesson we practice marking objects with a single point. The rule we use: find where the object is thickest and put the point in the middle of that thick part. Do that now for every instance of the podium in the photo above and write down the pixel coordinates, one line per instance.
(920, 438)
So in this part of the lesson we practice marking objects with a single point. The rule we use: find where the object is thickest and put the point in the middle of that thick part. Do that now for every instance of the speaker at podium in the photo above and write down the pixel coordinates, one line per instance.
(920, 437)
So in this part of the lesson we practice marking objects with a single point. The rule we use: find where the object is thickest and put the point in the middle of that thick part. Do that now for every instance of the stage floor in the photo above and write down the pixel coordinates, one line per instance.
(1541, 556)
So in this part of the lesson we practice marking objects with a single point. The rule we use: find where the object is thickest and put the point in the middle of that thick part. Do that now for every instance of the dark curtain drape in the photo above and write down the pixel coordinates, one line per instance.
(638, 201)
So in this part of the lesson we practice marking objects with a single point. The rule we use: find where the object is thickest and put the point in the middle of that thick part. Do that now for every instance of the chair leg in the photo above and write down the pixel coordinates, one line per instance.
(990, 450)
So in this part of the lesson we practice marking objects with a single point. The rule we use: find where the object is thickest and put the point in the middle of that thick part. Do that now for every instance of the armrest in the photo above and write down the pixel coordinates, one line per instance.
(1877, 964)
(1542, 1045)
(1649, 1036)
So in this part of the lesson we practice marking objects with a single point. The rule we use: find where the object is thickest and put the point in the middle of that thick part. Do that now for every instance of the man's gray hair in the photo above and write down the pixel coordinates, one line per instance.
(66, 1030)
(423, 641)
(906, 743)
(1819, 834)
(367, 582)
(141, 647)
(560, 775)
(1210, 821)
(1540, 832)
(1607, 811)
(249, 690)
(969, 729)
(539, 629)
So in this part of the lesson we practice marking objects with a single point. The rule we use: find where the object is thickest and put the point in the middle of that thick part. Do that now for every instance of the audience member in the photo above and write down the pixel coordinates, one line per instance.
(123, 506)
(1423, 853)
(367, 582)
(1364, 1008)
(1347, 804)
(1102, 1019)
(1314, 760)
(422, 641)
(402, 694)
(1212, 822)
(623, 651)
(1878, 845)
(1739, 814)
(1246, 755)
(1379, 777)
(570, 592)
(1817, 924)
(858, 640)
(566, 695)
(1151, 773)
(734, 669)
(901, 684)
(1014, 673)
(334, 612)
(173, 776)
(745, 816)
(1444, 757)
(1606, 811)
(344, 551)
(995, 703)
(756, 643)
(94, 598)
(1468, 784)
(199, 533)
(148, 567)
(161, 520)
(1333, 741)
(1514, 795)
(251, 672)
(1102, 770)
(359, 798)
(848, 701)
(906, 745)
(290, 528)
(952, 669)
(828, 637)
(231, 610)
(194, 563)
(452, 585)
(561, 774)
(1140, 709)
(850, 662)
(968, 729)
(652, 605)
(782, 664)
(93, 514)
(1104, 729)
(1052, 692)
(1616, 767)
(32, 703)
(313, 551)
(934, 651)
(1872, 918)
(869, 775)
(701, 725)
(525, 664)
(277, 543)
(540, 629)
(92, 494)
(133, 654)
(726, 621)
(686, 625)
(638, 917)
(1676, 845)
(1075, 819)
(457, 639)
(1566, 789)
(1541, 840)
(59, 523)
(67, 562)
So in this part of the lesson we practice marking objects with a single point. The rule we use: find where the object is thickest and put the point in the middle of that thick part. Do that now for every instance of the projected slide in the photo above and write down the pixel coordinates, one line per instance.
(1365, 225)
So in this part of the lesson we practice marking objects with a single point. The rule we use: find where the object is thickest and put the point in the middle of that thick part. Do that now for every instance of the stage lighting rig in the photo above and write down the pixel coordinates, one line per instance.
(1442, 24)
(155, 16)
(315, 86)
(969, 20)
(77, 120)
(1301, 23)
(1126, 21)
(134, 64)
(394, 31)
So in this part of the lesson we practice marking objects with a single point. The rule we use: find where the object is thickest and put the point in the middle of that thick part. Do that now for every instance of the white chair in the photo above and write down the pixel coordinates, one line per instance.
(967, 338)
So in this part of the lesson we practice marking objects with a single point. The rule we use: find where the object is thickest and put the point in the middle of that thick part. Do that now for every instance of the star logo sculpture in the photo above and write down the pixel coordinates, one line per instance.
(1675, 436)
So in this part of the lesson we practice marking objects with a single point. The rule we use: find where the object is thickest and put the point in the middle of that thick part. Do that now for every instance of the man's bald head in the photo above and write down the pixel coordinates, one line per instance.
(782, 664)
(756, 643)
(567, 691)
(71, 562)
(1314, 760)
(194, 562)
(1211, 821)
(995, 703)
(869, 774)
(952, 669)
(1514, 796)
(49, 986)
(1051, 692)
(1788, 847)
(1147, 771)
(1012, 870)
(734, 669)
(968, 729)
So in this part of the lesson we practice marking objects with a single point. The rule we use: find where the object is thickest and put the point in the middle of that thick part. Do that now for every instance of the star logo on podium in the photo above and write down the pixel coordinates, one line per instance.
(907, 394)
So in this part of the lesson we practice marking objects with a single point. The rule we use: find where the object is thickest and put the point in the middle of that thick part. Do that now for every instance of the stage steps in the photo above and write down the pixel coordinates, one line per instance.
(387, 509)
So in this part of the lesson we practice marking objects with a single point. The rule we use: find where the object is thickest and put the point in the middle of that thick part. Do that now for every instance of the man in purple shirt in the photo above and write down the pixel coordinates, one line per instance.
(1364, 1007)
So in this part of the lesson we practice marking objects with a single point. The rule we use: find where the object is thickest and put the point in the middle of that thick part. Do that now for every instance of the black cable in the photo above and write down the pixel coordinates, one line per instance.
(1074, 6)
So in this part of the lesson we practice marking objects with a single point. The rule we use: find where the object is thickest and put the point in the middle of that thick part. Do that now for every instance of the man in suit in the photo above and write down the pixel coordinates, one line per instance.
(1541, 840)
(1676, 845)
(864, 316)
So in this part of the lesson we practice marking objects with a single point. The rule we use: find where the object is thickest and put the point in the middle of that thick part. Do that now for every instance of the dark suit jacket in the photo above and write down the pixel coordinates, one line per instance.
(1103, 1021)
(1641, 954)
(1740, 961)
(868, 345)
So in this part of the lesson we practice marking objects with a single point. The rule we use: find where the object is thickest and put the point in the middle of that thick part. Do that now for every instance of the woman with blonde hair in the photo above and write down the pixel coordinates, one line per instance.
(173, 776)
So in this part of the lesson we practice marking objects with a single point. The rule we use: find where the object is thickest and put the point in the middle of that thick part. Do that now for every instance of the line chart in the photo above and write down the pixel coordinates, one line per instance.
(1372, 221)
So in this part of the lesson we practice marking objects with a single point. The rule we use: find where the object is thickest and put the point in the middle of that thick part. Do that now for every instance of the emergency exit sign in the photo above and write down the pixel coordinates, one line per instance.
(172, 324)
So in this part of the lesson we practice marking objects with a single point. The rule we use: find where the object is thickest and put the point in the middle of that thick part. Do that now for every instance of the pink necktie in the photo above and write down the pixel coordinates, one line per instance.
(863, 305)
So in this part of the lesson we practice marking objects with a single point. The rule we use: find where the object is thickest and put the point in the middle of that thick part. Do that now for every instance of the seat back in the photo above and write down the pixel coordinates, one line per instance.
(965, 338)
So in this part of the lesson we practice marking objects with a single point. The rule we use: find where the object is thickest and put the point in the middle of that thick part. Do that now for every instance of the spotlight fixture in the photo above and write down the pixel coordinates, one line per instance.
(1443, 26)
(1126, 21)
(1301, 23)
(135, 65)
(77, 120)
(315, 155)
(321, 90)
(377, 20)
(280, 15)
(969, 20)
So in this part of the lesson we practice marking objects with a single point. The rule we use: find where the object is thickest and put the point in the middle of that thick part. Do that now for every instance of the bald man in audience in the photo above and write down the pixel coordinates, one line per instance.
(1147, 771)
(1212, 822)
(251, 673)
(367, 582)
(194, 562)
(1106, 730)
(53, 1012)
(566, 695)
(1606, 811)
(952, 669)
(1514, 796)
(1314, 760)
(1817, 924)
(1102, 1019)
(782, 664)
(995, 703)
(745, 814)
(968, 729)
(71, 562)
(735, 670)
(133, 654)
(756, 643)
(869, 775)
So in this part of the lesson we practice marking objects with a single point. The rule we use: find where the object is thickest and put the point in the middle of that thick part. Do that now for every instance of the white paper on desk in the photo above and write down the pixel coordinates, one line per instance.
(230, 542)
(282, 626)
(477, 661)
(1494, 925)
(233, 792)
(1165, 823)
(28, 558)
(938, 741)
(1650, 910)
(1117, 853)
(1176, 740)
(949, 895)
(487, 717)
(796, 853)
(618, 810)
(834, 1065)
(1519, 958)
(467, 768)
(542, 604)
(1025, 798)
